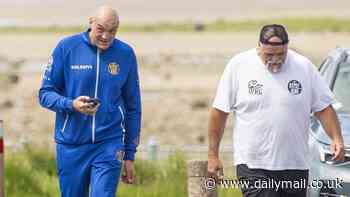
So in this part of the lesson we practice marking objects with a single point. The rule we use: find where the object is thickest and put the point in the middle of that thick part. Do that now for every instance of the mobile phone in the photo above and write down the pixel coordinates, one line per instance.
(94, 101)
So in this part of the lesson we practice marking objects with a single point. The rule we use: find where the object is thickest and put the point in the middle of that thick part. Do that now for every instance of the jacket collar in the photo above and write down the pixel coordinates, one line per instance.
(86, 39)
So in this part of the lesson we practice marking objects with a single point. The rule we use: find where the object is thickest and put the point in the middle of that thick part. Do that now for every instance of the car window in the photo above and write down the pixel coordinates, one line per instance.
(328, 69)
(324, 65)
(342, 85)
(347, 56)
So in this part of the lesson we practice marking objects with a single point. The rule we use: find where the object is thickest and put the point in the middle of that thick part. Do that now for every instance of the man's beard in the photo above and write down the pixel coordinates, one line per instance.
(274, 69)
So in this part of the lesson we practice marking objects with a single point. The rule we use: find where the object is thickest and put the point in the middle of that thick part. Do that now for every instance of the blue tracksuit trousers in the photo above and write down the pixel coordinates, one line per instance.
(89, 169)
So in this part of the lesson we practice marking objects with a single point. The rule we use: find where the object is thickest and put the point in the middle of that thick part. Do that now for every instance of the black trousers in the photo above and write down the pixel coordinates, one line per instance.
(272, 183)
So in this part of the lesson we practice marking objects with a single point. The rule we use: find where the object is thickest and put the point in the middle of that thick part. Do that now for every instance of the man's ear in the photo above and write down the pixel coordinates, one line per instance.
(259, 45)
(91, 20)
(259, 48)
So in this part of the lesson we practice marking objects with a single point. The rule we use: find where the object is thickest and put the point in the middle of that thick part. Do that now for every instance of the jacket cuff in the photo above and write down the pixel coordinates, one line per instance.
(129, 155)
(69, 105)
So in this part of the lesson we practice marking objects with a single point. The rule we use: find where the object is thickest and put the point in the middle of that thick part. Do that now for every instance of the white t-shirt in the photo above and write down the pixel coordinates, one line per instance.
(272, 110)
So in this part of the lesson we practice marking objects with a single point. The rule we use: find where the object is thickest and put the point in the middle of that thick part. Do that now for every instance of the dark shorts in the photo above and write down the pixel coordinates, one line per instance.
(272, 183)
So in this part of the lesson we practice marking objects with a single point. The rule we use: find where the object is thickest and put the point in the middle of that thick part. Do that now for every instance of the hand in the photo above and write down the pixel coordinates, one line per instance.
(128, 173)
(215, 168)
(81, 105)
(337, 149)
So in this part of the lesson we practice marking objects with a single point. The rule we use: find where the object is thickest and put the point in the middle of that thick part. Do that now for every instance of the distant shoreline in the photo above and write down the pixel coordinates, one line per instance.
(295, 24)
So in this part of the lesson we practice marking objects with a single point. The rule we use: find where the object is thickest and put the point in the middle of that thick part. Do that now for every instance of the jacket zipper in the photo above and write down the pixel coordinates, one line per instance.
(122, 123)
(95, 96)
(65, 123)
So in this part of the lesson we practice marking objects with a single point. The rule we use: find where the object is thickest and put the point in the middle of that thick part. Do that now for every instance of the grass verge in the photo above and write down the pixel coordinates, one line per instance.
(32, 172)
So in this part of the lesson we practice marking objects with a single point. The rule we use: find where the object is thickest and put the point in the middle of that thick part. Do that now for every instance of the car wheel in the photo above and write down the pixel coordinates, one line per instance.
(327, 192)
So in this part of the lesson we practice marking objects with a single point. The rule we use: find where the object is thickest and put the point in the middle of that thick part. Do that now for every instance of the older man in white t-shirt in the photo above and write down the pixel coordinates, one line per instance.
(272, 91)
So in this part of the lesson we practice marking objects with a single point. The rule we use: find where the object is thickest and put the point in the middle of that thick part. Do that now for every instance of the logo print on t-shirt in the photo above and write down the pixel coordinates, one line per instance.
(294, 87)
(254, 87)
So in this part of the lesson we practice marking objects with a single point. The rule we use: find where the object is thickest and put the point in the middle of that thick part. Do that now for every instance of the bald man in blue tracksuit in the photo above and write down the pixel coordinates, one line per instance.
(93, 139)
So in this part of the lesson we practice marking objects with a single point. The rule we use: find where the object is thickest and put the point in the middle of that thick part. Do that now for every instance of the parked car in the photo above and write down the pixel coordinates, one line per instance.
(336, 71)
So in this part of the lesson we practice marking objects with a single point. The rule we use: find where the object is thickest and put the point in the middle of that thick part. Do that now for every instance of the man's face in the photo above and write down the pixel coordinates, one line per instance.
(273, 56)
(103, 32)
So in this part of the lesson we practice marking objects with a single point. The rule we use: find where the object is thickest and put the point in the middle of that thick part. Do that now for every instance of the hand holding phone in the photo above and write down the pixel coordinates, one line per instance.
(86, 105)
(93, 102)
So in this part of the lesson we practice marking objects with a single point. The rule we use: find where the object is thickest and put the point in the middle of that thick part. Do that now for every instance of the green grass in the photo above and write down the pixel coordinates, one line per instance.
(32, 173)
(295, 24)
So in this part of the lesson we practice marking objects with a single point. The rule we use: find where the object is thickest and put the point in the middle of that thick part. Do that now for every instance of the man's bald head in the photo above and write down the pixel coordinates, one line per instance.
(104, 24)
(106, 14)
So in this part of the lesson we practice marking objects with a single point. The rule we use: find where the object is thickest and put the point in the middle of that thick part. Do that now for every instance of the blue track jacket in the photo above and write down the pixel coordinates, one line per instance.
(78, 68)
